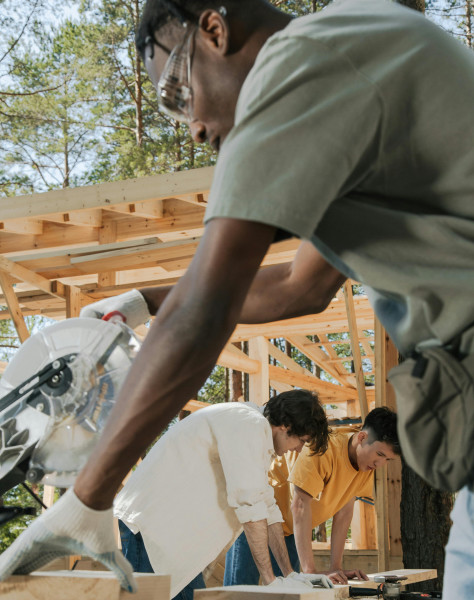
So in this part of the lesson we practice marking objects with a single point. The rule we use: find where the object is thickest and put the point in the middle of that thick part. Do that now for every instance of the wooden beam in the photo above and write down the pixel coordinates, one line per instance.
(323, 360)
(329, 392)
(14, 309)
(286, 361)
(381, 499)
(261, 592)
(107, 235)
(22, 226)
(73, 301)
(354, 338)
(259, 383)
(105, 195)
(151, 209)
(19, 272)
(233, 358)
(82, 585)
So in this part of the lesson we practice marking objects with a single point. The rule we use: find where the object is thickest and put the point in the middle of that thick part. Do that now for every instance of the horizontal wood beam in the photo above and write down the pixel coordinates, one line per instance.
(106, 195)
(233, 358)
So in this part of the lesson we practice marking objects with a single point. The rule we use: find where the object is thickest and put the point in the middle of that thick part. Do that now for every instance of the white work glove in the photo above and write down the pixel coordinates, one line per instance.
(290, 584)
(131, 304)
(312, 579)
(69, 527)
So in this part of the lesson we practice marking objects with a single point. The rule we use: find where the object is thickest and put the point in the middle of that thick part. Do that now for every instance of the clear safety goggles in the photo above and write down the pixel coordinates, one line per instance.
(175, 94)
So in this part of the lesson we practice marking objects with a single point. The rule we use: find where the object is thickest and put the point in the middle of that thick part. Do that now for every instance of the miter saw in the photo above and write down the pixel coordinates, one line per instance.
(56, 395)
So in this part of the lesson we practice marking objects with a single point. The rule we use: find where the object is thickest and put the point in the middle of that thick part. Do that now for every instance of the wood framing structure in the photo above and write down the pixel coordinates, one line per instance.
(63, 249)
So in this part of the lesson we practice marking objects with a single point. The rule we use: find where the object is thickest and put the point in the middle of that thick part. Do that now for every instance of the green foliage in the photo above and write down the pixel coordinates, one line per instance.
(215, 388)
(17, 496)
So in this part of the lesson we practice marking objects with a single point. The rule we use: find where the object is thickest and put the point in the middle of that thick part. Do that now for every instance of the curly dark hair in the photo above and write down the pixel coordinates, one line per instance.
(381, 425)
(302, 413)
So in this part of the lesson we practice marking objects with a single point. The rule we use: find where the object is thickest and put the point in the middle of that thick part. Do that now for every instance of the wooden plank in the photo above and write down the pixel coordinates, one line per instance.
(259, 383)
(412, 575)
(22, 226)
(381, 499)
(233, 358)
(13, 305)
(73, 301)
(151, 209)
(252, 592)
(354, 339)
(105, 195)
(82, 585)
(107, 235)
(84, 218)
(23, 274)
(328, 391)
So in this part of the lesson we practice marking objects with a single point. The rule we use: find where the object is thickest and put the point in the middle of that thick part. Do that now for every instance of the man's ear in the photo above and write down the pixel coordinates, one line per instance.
(362, 436)
(215, 30)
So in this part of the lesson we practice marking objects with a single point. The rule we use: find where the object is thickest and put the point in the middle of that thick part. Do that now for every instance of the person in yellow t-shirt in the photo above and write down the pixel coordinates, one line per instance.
(309, 489)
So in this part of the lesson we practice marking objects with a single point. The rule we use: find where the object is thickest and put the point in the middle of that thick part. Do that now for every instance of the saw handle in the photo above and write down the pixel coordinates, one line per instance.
(115, 316)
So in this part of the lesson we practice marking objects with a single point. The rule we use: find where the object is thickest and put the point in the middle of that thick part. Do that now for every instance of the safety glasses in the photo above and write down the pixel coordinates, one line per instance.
(175, 94)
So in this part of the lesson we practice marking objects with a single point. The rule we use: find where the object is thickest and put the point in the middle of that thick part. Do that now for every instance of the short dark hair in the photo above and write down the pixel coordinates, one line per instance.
(302, 413)
(381, 425)
(159, 13)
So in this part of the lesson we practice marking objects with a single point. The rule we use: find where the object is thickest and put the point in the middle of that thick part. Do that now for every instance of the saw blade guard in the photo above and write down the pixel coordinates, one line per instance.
(56, 395)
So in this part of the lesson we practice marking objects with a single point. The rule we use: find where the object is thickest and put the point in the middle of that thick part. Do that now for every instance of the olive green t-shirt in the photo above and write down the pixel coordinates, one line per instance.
(355, 130)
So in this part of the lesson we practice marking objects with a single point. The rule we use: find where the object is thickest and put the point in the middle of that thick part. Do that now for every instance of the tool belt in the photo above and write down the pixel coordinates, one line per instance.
(435, 401)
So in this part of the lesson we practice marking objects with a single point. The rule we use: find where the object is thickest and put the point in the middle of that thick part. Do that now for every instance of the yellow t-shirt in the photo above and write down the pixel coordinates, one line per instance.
(330, 479)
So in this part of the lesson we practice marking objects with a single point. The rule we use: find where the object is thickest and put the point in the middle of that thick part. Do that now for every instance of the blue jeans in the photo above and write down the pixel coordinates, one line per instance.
(240, 568)
(133, 549)
(459, 564)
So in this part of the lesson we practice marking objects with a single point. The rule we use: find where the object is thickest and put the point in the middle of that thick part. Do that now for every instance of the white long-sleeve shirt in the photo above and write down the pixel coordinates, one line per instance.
(201, 481)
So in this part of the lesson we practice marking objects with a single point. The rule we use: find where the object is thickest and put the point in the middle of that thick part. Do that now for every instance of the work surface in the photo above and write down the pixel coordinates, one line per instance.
(248, 592)
(102, 585)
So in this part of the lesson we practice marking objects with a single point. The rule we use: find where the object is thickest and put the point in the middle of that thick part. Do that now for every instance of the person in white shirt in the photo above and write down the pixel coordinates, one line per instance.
(207, 478)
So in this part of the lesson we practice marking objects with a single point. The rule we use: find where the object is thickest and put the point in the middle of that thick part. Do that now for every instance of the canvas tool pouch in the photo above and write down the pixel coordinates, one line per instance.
(435, 402)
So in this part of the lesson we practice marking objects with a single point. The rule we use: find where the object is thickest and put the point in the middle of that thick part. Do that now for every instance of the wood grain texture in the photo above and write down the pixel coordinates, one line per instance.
(82, 585)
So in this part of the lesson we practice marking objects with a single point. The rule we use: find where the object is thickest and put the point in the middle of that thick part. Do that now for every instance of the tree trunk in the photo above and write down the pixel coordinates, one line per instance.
(425, 525)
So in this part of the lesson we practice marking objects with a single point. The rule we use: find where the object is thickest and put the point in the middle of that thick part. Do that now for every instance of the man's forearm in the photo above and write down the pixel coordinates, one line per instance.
(302, 528)
(279, 291)
(178, 354)
(256, 533)
(302, 287)
(276, 541)
(340, 526)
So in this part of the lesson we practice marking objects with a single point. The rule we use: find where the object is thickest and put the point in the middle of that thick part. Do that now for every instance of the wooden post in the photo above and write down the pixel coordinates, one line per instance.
(73, 301)
(6, 283)
(354, 335)
(259, 383)
(381, 490)
(107, 235)
(363, 530)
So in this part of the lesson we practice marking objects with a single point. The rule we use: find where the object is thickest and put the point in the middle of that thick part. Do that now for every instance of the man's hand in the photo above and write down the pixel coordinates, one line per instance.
(311, 579)
(69, 527)
(290, 584)
(341, 576)
(131, 304)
